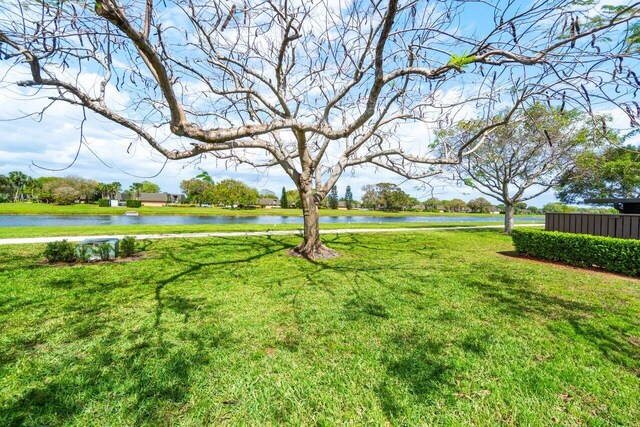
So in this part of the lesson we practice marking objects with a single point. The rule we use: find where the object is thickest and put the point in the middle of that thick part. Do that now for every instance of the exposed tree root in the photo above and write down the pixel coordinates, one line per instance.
(314, 251)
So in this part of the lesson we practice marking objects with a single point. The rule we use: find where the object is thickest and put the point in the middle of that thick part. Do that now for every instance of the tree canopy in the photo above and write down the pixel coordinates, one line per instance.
(228, 192)
(348, 198)
(284, 200)
(18, 186)
(612, 172)
(231, 192)
(525, 158)
(333, 198)
(479, 205)
(386, 196)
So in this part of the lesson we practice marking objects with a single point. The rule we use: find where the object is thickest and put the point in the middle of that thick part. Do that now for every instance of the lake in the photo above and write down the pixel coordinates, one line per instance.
(69, 220)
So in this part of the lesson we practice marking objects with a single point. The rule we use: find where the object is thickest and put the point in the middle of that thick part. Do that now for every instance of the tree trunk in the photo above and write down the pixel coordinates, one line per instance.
(311, 247)
(508, 218)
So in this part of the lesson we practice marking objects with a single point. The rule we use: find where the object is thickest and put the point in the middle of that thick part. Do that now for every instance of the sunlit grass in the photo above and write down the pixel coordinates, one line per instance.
(411, 329)
(87, 230)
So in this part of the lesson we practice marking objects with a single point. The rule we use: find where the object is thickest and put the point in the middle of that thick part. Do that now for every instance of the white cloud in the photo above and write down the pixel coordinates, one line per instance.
(53, 142)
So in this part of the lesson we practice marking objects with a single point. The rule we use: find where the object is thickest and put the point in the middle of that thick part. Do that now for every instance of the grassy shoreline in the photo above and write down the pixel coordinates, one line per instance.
(87, 230)
(81, 209)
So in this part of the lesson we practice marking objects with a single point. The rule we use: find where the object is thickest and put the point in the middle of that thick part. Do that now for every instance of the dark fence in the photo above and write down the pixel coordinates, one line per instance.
(621, 226)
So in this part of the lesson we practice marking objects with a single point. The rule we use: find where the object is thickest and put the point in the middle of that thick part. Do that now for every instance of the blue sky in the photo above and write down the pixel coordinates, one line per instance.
(53, 142)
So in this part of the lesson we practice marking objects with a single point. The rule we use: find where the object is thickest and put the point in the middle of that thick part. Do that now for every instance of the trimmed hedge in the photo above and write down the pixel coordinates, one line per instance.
(581, 250)
(104, 203)
(133, 203)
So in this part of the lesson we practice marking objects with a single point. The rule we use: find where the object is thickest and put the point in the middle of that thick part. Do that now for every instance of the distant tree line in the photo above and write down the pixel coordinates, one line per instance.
(562, 208)
(387, 197)
(17, 186)
(596, 172)
(203, 190)
(228, 192)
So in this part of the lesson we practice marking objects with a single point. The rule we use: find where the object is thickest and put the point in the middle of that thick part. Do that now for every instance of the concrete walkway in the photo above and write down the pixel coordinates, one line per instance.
(30, 240)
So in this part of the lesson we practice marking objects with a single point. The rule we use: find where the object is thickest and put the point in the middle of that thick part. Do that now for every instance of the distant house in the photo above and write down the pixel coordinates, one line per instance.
(342, 206)
(268, 203)
(122, 197)
(160, 199)
(149, 199)
(119, 200)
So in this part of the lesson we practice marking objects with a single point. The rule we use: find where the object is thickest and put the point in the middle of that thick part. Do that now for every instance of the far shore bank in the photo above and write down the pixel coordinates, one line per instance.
(89, 209)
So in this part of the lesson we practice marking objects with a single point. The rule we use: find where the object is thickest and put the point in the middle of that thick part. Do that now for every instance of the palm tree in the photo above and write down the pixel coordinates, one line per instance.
(135, 189)
(32, 185)
(17, 180)
(204, 175)
(114, 189)
(103, 189)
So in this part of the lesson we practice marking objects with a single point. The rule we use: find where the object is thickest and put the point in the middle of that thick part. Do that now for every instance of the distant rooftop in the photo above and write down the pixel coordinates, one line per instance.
(268, 201)
(154, 197)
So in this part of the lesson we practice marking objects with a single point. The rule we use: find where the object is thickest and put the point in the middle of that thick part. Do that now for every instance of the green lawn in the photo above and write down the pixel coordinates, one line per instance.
(87, 230)
(82, 209)
(404, 329)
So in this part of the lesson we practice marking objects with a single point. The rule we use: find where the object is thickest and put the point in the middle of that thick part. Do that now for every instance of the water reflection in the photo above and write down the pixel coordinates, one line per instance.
(71, 220)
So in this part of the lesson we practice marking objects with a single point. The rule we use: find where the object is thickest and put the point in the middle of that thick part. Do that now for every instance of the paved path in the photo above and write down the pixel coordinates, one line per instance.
(28, 240)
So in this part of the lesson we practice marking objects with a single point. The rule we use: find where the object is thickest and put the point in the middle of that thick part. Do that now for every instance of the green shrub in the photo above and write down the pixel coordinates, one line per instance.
(60, 251)
(104, 203)
(83, 253)
(103, 251)
(134, 203)
(127, 246)
(582, 250)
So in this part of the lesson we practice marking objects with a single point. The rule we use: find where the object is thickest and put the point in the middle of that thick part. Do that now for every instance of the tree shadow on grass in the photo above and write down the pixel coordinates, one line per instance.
(154, 374)
(423, 369)
(49, 401)
(150, 372)
(349, 241)
(18, 257)
(418, 367)
(11, 303)
(573, 320)
(514, 295)
(249, 251)
(142, 377)
(355, 307)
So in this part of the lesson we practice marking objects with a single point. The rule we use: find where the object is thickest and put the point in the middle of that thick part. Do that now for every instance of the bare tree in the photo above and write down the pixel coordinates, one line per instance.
(525, 158)
(317, 86)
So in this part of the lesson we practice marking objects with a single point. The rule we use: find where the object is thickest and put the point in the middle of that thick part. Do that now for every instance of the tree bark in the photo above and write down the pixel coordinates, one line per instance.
(311, 246)
(508, 218)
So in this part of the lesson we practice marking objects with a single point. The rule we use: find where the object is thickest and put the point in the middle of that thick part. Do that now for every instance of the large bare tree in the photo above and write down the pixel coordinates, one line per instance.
(318, 86)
